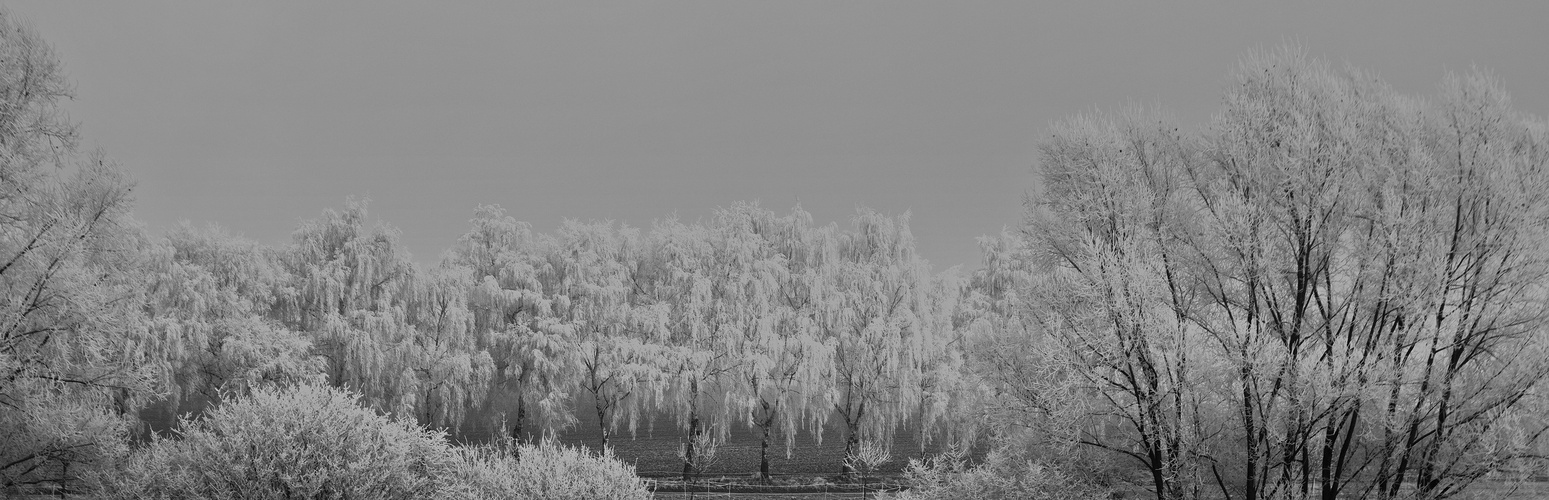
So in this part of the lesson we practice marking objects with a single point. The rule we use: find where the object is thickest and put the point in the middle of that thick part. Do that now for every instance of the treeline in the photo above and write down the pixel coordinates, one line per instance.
(752, 319)
(1332, 291)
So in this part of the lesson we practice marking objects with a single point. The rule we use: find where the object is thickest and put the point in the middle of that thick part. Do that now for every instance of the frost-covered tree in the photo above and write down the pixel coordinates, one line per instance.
(1113, 299)
(516, 303)
(451, 360)
(1017, 379)
(687, 273)
(616, 344)
(352, 282)
(942, 387)
(76, 358)
(212, 298)
(784, 367)
(1336, 292)
(1380, 265)
(871, 317)
(399, 336)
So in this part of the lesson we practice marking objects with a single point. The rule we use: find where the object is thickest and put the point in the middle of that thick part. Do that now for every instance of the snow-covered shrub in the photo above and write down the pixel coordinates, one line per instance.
(318, 442)
(545, 471)
(303, 442)
(1003, 475)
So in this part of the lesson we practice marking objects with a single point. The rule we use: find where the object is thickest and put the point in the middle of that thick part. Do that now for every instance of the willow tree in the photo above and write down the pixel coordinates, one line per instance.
(784, 367)
(683, 272)
(212, 297)
(871, 318)
(399, 338)
(942, 387)
(1003, 351)
(514, 299)
(76, 358)
(615, 344)
(451, 361)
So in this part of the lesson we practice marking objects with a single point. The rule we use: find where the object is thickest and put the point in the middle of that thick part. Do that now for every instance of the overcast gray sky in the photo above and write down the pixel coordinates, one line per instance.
(255, 115)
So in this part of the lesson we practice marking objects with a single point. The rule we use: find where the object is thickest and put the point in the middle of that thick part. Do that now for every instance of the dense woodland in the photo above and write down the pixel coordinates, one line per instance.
(1332, 290)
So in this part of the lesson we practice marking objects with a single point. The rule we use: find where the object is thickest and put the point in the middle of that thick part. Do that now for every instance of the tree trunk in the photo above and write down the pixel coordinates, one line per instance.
(688, 449)
(1158, 478)
(602, 423)
(763, 456)
(521, 415)
(852, 440)
(430, 419)
(850, 444)
(1250, 481)
(516, 428)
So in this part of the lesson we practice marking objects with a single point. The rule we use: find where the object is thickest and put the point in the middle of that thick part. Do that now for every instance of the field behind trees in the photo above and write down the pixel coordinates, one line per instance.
(1332, 290)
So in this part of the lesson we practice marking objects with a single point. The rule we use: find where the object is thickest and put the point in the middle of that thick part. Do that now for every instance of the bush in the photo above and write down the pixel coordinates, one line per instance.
(318, 442)
(547, 470)
(1003, 475)
(304, 442)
